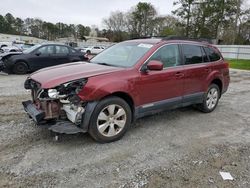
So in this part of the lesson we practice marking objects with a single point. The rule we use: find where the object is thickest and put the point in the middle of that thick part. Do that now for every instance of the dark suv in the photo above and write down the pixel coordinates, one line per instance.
(127, 81)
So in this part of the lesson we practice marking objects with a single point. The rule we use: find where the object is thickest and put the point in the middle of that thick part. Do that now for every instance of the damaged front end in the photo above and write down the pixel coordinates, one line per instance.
(60, 105)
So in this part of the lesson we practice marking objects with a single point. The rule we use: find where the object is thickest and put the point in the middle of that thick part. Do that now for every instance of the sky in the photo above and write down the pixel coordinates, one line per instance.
(86, 12)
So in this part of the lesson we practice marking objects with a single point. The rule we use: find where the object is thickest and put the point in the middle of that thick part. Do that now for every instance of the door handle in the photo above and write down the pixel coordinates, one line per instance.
(179, 74)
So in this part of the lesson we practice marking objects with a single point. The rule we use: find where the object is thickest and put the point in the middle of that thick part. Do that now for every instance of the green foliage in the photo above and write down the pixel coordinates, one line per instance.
(217, 19)
(239, 64)
(41, 29)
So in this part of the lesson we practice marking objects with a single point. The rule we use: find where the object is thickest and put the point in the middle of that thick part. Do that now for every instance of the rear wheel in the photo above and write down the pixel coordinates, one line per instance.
(211, 99)
(88, 52)
(20, 68)
(110, 120)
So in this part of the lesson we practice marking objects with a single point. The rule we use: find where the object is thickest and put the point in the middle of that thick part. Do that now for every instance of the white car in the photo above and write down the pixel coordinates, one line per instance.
(93, 49)
(7, 49)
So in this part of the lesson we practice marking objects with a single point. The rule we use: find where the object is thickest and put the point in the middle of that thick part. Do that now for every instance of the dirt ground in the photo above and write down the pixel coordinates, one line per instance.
(180, 148)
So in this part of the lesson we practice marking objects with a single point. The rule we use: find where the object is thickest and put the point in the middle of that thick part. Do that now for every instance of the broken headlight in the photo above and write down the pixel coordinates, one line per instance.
(53, 93)
(66, 90)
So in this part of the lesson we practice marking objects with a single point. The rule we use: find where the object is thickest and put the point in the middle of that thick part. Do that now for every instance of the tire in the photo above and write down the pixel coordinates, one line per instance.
(88, 52)
(210, 99)
(104, 126)
(20, 68)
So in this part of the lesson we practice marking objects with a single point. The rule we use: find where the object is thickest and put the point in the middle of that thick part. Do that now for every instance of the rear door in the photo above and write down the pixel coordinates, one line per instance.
(162, 89)
(196, 70)
(62, 55)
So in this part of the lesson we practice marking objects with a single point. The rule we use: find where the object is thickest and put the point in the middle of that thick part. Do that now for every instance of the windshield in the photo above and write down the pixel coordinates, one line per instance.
(122, 55)
(31, 49)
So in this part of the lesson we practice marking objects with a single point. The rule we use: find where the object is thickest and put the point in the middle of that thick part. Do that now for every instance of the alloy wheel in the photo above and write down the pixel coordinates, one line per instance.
(212, 98)
(111, 120)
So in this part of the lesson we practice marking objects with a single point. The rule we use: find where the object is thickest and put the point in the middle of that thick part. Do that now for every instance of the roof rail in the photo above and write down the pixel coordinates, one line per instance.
(187, 38)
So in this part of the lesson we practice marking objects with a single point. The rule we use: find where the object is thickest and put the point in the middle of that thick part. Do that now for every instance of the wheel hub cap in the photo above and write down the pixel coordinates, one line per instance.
(111, 120)
(212, 98)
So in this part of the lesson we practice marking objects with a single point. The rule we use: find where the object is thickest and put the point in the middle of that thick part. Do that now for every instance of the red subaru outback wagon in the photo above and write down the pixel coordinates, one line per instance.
(127, 81)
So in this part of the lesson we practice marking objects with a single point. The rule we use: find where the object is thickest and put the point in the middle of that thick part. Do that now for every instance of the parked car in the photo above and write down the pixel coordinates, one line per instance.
(41, 56)
(7, 49)
(93, 49)
(127, 81)
(5, 56)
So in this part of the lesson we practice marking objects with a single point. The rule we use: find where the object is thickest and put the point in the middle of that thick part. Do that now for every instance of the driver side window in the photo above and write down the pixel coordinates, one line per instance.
(169, 55)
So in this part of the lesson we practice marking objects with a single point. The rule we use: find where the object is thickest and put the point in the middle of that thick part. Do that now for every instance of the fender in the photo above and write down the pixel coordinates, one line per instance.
(97, 89)
(215, 74)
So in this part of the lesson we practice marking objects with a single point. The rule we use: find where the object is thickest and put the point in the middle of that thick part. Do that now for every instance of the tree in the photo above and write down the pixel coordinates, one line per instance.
(19, 25)
(141, 20)
(184, 11)
(116, 23)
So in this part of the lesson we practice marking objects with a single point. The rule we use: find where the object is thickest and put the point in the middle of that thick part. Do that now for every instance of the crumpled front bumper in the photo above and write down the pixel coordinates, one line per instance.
(33, 112)
(62, 127)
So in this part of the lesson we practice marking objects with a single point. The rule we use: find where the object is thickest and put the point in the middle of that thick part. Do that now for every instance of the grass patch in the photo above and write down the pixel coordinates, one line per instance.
(239, 64)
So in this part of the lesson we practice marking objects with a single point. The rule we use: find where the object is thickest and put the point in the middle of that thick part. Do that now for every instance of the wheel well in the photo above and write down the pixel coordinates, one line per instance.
(218, 82)
(127, 98)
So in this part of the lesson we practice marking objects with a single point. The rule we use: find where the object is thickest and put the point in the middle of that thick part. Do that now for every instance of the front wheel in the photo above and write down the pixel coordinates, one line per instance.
(20, 68)
(211, 99)
(110, 120)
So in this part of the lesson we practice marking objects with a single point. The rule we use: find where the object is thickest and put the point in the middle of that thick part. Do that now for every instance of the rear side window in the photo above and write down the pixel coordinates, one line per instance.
(62, 50)
(212, 54)
(192, 54)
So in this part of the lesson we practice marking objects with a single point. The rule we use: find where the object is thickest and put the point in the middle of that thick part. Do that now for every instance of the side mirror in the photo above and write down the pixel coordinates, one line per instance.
(155, 65)
(38, 53)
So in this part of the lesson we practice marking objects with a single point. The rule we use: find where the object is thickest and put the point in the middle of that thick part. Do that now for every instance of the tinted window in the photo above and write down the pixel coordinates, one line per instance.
(192, 54)
(96, 47)
(62, 50)
(204, 55)
(212, 54)
(46, 50)
(168, 55)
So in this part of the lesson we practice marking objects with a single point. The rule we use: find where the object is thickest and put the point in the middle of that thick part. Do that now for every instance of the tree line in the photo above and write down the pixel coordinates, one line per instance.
(227, 21)
(41, 29)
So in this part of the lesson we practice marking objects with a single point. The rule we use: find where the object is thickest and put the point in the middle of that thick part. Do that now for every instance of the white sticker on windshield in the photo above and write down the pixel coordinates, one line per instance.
(145, 45)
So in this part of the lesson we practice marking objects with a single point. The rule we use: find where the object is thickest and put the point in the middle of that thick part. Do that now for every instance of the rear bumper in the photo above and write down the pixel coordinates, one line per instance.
(33, 112)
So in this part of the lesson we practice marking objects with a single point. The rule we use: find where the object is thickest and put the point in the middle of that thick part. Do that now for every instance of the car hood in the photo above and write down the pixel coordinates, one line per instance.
(9, 53)
(56, 75)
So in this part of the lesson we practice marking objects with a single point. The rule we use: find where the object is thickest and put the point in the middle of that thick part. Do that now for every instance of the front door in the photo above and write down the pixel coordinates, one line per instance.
(41, 58)
(162, 89)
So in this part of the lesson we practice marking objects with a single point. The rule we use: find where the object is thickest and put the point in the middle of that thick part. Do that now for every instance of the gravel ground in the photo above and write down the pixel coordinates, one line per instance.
(180, 148)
